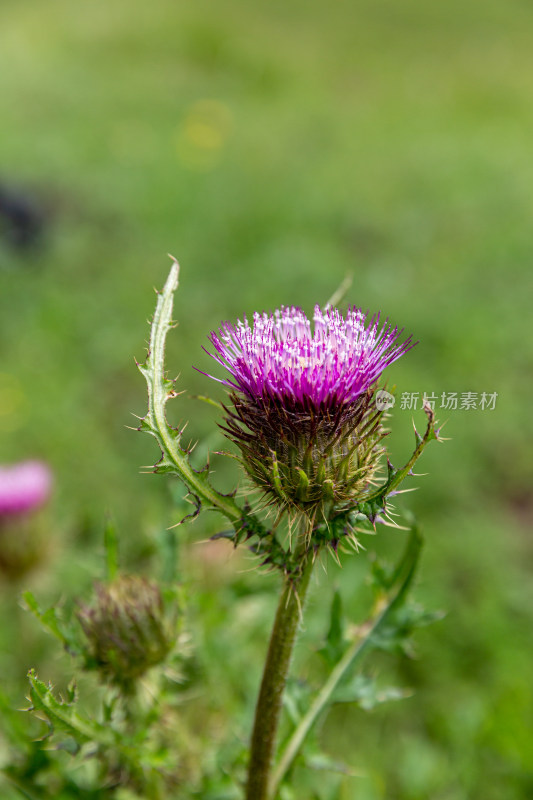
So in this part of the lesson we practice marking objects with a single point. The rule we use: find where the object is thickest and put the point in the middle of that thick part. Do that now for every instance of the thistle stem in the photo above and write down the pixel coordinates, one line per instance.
(400, 583)
(269, 702)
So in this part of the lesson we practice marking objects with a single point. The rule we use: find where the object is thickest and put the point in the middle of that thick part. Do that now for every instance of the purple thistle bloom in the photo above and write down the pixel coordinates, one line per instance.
(24, 487)
(281, 357)
(302, 408)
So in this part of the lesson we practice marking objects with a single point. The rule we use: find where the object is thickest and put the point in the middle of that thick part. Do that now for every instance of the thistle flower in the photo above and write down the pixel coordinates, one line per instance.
(24, 487)
(127, 629)
(302, 410)
(24, 543)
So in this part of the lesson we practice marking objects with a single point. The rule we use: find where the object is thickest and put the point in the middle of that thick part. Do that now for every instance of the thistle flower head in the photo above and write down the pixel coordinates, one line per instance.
(127, 629)
(24, 487)
(281, 357)
(302, 401)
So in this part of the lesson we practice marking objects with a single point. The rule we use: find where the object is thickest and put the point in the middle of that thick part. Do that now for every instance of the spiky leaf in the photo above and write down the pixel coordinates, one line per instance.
(62, 715)
(52, 622)
(174, 458)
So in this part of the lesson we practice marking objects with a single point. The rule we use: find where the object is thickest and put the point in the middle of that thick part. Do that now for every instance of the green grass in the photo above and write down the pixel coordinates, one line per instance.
(274, 147)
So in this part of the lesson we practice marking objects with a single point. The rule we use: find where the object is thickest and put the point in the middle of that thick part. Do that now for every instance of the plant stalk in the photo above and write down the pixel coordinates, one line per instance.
(269, 702)
(400, 583)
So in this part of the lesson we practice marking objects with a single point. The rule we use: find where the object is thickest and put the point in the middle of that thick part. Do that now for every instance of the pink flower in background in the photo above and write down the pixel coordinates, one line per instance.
(24, 487)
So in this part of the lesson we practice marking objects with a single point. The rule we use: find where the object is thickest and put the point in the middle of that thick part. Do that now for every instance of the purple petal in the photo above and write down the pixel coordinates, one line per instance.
(24, 487)
(281, 356)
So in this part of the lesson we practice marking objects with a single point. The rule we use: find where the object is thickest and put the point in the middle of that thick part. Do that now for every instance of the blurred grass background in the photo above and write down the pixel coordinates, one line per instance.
(273, 148)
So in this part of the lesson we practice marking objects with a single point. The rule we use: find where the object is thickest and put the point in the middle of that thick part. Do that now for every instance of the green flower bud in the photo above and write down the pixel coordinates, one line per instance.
(127, 629)
(24, 545)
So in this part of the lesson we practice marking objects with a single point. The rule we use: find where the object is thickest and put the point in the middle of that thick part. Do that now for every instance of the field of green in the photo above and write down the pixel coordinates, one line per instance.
(273, 148)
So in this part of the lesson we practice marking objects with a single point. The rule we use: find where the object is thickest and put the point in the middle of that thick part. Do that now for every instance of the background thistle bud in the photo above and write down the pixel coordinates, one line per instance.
(302, 403)
(127, 629)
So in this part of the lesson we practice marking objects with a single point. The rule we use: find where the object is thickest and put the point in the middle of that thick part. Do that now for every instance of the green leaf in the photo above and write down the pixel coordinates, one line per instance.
(50, 620)
(175, 459)
(62, 716)
(111, 549)
(383, 575)
(396, 632)
(365, 692)
(335, 644)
